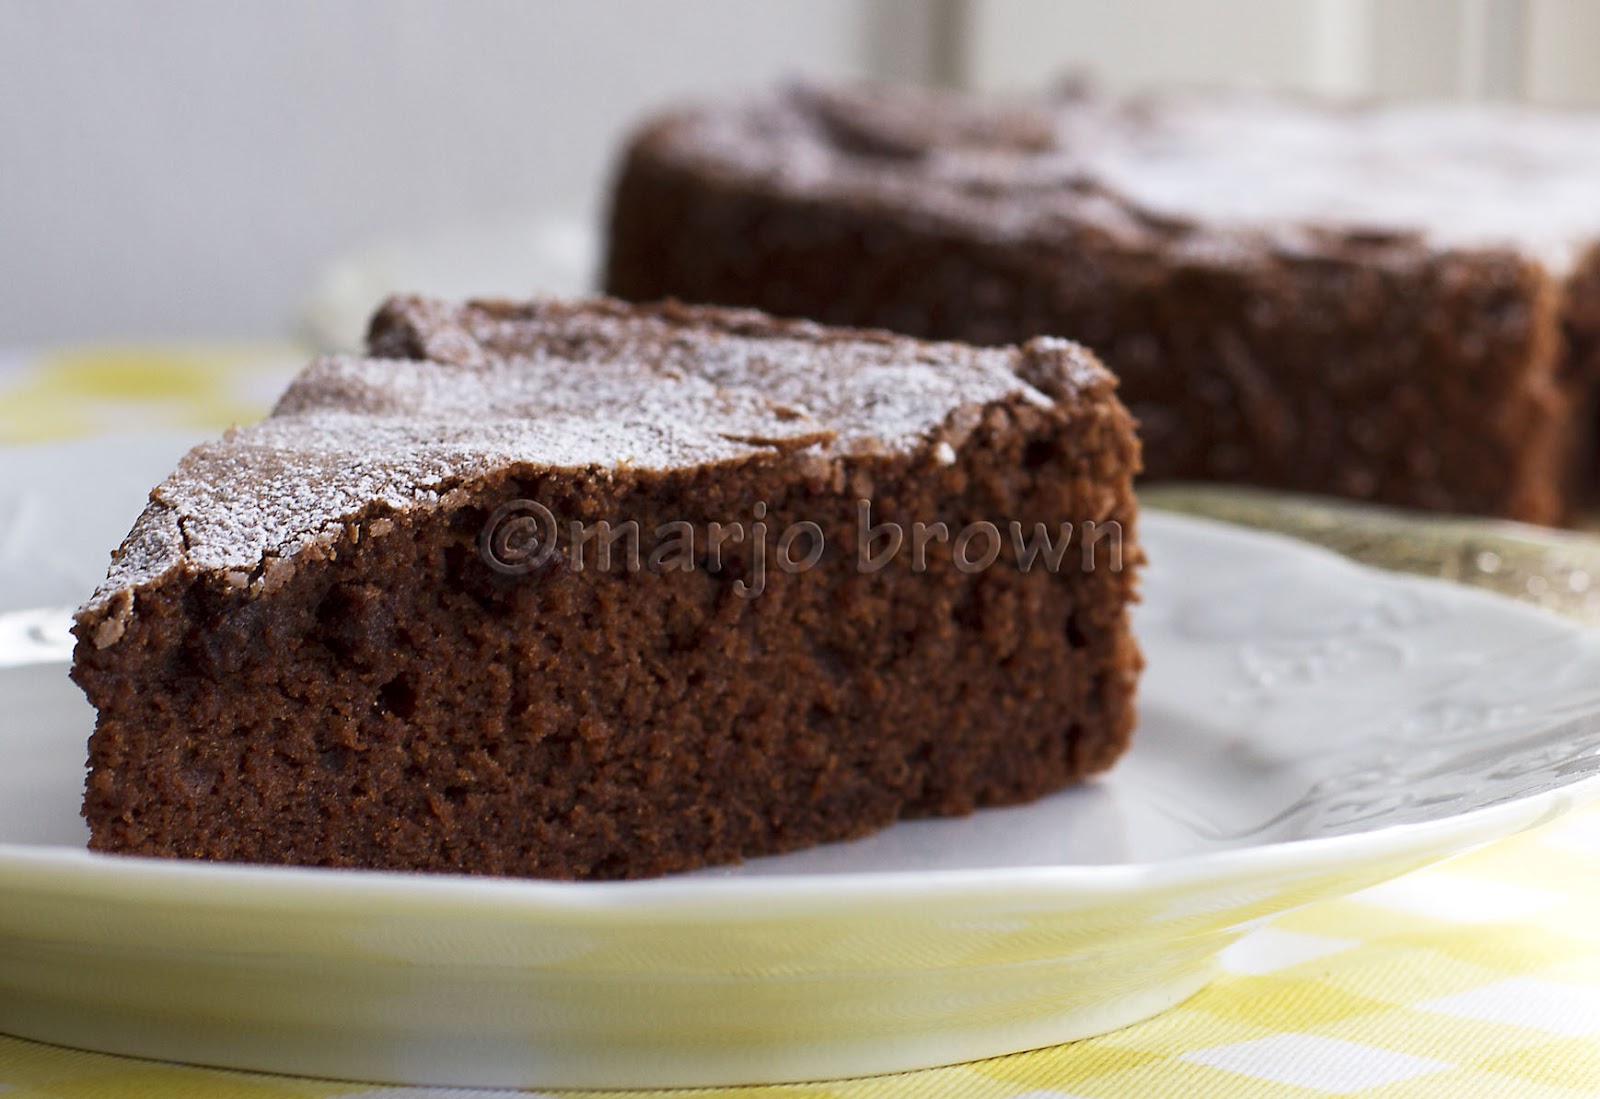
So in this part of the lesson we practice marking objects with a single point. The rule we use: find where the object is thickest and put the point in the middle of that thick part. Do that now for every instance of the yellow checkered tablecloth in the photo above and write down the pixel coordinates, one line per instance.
(1480, 977)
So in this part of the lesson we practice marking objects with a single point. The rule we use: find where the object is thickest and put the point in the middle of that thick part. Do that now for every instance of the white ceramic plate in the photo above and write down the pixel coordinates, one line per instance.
(1309, 728)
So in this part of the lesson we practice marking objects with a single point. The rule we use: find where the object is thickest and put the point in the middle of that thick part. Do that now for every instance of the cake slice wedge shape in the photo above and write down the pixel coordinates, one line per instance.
(588, 590)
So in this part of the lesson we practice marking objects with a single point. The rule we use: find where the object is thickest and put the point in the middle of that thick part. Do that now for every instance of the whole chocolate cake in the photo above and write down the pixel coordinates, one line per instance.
(1389, 303)
(598, 591)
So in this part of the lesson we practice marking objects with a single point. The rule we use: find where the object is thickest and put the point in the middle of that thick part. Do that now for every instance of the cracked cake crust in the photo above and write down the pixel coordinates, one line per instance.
(303, 655)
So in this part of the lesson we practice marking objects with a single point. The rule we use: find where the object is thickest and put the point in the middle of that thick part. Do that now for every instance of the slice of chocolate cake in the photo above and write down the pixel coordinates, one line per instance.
(597, 591)
(1393, 303)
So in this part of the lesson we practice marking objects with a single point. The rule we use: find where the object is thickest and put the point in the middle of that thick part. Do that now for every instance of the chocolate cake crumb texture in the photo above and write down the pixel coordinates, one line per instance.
(303, 654)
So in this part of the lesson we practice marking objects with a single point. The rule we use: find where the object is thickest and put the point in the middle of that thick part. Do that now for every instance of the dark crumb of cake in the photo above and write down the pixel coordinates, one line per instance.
(315, 648)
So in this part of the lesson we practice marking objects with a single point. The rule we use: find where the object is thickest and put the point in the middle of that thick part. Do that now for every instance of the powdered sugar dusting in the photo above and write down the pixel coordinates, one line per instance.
(1457, 176)
(1461, 176)
(598, 387)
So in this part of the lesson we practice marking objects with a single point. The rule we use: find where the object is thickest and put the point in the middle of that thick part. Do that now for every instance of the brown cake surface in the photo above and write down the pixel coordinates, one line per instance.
(328, 641)
(1389, 303)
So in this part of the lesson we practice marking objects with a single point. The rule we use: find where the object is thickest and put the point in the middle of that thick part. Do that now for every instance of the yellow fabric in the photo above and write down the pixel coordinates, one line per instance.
(1480, 977)
(89, 391)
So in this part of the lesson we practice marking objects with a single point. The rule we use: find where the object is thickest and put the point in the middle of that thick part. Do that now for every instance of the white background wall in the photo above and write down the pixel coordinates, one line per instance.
(183, 168)
(1542, 50)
